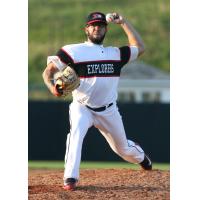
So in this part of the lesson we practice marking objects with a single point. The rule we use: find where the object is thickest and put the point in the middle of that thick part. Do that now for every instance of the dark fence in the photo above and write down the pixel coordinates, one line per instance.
(48, 125)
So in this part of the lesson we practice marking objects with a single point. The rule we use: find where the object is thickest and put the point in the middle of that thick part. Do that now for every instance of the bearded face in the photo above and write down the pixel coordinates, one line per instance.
(96, 40)
(96, 32)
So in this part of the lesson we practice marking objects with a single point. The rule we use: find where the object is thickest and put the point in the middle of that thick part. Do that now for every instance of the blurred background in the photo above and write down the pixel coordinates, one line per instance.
(144, 87)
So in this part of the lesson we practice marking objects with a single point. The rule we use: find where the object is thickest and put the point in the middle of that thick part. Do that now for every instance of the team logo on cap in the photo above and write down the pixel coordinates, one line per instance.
(96, 15)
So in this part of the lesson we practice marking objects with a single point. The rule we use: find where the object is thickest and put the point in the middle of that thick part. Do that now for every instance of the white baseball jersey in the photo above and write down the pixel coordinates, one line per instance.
(99, 70)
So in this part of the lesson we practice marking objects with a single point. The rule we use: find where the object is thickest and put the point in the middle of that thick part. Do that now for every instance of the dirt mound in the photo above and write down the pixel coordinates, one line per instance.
(101, 184)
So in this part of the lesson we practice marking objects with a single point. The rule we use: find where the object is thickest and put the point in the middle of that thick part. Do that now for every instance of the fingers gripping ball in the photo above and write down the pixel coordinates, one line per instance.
(66, 81)
(114, 18)
(109, 17)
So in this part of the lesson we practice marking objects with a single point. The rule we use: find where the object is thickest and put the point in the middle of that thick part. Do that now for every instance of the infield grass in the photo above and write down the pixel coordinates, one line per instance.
(92, 165)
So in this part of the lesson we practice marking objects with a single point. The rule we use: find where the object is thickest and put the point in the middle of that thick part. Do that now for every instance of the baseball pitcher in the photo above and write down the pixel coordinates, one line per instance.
(91, 72)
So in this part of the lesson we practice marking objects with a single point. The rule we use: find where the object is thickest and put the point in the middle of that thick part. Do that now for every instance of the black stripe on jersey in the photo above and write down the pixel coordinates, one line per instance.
(98, 68)
(65, 57)
(125, 53)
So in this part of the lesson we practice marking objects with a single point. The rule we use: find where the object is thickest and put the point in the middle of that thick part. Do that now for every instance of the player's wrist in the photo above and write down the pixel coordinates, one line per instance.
(123, 22)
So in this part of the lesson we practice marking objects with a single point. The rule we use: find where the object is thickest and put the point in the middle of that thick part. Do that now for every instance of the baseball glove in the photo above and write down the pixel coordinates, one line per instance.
(66, 81)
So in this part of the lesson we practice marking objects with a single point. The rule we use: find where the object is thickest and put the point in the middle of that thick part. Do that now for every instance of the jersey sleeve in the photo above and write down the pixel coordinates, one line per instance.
(134, 53)
(124, 54)
(65, 57)
(62, 58)
(128, 54)
(56, 60)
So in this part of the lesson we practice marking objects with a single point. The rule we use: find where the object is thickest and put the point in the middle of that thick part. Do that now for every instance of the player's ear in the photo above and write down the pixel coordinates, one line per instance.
(85, 29)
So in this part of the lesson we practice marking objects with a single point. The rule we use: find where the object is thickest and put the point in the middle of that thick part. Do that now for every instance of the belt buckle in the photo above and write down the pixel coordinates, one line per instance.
(107, 106)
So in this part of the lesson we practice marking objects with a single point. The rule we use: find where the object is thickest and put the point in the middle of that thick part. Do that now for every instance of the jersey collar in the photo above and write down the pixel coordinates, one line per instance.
(92, 44)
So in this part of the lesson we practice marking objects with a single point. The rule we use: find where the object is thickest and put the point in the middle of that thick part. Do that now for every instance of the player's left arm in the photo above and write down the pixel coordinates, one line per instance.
(48, 75)
(134, 37)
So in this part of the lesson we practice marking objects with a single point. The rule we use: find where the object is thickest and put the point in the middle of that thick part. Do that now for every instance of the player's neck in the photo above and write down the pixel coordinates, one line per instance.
(91, 42)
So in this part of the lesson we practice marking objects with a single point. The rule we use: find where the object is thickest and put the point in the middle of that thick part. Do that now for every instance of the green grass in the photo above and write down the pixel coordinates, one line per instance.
(92, 165)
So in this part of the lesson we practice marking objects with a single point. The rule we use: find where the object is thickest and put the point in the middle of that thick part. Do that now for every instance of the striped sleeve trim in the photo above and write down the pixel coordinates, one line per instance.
(125, 54)
(65, 57)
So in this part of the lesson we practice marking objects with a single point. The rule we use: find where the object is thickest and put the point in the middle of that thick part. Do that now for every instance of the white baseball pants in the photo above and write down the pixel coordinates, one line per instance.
(109, 123)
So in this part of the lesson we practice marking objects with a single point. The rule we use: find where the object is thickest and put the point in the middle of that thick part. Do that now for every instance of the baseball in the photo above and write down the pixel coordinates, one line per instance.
(109, 17)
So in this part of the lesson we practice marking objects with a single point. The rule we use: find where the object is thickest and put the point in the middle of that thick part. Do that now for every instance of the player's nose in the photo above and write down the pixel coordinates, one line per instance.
(97, 27)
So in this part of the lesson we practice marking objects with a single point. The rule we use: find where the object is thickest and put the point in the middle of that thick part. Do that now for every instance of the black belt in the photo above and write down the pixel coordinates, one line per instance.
(100, 109)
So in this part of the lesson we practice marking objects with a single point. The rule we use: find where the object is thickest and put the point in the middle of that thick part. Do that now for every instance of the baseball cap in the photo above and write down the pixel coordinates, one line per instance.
(96, 17)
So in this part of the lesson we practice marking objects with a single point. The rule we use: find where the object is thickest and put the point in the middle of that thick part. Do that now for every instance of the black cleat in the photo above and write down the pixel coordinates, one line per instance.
(146, 163)
(70, 184)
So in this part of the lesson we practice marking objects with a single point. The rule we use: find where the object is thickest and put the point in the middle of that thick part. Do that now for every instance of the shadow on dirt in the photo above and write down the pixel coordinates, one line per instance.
(90, 188)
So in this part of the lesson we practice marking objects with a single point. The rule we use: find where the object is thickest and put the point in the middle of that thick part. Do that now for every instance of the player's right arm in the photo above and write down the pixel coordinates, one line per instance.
(48, 75)
(134, 37)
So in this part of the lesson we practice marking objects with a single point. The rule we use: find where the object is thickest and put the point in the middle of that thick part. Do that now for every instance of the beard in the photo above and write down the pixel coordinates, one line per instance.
(98, 40)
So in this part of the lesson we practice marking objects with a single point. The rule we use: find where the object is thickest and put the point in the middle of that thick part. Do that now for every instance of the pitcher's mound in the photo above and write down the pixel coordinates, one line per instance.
(101, 184)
